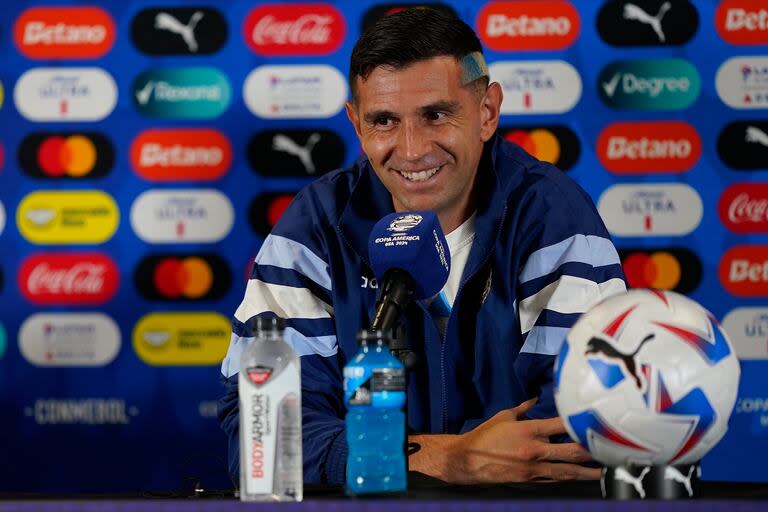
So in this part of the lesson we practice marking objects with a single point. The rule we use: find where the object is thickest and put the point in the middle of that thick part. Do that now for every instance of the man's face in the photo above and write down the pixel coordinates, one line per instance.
(423, 132)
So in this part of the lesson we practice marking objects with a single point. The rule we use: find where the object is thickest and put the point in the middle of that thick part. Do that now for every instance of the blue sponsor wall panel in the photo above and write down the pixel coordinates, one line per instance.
(141, 169)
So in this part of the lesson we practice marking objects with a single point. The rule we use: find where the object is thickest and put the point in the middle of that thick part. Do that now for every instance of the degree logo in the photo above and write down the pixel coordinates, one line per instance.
(647, 22)
(556, 144)
(182, 339)
(64, 32)
(659, 84)
(181, 155)
(265, 210)
(537, 87)
(743, 271)
(64, 217)
(378, 11)
(176, 277)
(742, 22)
(671, 268)
(295, 29)
(182, 93)
(743, 145)
(179, 31)
(525, 25)
(295, 152)
(66, 155)
(743, 208)
(742, 82)
(53, 278)
(649, 147)
(747, 330)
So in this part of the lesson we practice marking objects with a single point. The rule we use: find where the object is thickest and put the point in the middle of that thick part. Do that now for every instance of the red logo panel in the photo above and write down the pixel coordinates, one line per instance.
(743, 271)
(742, 22)
(181, 155)
(743, 208)
(64, 32)
(294, 29)
(68, 278)
(545, 25)
(649, 147)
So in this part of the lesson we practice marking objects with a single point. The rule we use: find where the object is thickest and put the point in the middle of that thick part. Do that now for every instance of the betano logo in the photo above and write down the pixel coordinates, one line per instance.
(556, 144)
(658, 84)
(526, 25)
(85, 278)
(295, 29)
(66, 155)
(743, 208)
(647, 22)
(181, 155)
(291, 92)
(182, 339)
(742, 22)
(537, 87)
(743, 145)
(265, 210)
(644, 147)
(178, 277)
(65, 94)
(670, 268)
(182, 216)
(284, 153)
(182, 93)
(747, 330)
(64, 32)
(650, 209)
(742, 82)
(67, 217)
(69, 339)
(743, 270)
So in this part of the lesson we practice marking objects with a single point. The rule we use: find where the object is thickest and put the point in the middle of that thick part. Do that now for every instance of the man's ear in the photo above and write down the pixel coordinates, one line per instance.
(353, 117)
(490, 108)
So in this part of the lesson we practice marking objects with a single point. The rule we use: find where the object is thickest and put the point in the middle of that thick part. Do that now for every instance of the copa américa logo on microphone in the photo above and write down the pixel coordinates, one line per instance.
(405, 222)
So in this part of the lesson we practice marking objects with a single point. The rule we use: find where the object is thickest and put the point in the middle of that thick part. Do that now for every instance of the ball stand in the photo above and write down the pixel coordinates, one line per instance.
(633, 482)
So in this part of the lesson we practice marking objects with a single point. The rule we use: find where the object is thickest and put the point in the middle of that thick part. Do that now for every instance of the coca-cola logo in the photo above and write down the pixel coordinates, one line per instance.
(743, 208)
(526, 25)
(296, 29)
(68, 278)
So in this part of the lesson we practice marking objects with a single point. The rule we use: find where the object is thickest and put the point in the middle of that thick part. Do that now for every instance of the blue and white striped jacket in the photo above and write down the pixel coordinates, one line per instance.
(541, 256)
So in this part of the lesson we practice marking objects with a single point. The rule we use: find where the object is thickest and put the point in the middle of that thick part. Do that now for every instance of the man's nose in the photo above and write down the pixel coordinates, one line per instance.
(413, 141)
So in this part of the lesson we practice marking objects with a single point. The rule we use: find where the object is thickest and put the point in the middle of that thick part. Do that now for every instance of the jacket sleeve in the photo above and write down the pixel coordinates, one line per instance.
(569, 264)
(290, 279)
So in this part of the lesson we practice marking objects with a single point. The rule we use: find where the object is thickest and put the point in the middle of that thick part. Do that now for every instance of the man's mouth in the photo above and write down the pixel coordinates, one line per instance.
(420, 175)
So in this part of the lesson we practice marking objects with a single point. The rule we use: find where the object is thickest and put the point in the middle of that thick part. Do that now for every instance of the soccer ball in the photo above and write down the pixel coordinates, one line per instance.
(646, 377)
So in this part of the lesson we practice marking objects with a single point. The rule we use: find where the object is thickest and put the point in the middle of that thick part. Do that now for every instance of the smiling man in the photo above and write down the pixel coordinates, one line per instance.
(529, 253)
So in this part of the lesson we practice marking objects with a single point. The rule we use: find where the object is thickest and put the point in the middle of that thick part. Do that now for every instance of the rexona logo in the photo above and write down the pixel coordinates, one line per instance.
(644, 147)
(3, 340)
(742, 22)
(743, 208)
(650, 210)
(747, 329)
(556, 144)
(87, 278)
(742, 82)
(291, 92)
(743, 270)
(295, 29)
(67, 217)
(64, 32)
(182, 216)
(524, 26)
(659, 84)
(537, 87)
(295, 152)
(265, 210)
(671, 268)
(177, 277)
(65, 94)
(181, 155)
(743, 145)
(181, 93)
(647, 22)
(182, 339)
(179, 31)
(69, 339)
(378, 11)
(66, 155)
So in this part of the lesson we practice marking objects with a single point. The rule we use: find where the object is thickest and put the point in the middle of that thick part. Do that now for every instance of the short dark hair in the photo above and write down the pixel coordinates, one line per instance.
(412, 35)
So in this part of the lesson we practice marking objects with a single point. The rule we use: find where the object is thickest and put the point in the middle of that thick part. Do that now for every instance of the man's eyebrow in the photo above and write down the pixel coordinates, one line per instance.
(441, 106)
(372, 116)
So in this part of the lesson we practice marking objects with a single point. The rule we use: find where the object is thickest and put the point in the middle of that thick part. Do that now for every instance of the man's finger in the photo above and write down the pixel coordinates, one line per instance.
(564, 452)
(522, 409)
(547, 427)
(559, 472)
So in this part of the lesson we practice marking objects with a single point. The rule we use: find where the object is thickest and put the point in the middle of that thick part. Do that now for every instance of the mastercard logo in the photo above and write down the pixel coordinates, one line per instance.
(556, 144)
(66, 155)
(266, 209)
(674, 269)
(167, 277)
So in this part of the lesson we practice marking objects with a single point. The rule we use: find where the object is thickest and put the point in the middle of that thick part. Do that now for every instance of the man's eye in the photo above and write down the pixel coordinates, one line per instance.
(382, 121)
(435, 116)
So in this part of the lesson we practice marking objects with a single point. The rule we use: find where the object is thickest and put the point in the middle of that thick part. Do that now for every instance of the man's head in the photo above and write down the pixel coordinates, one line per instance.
(422, 108)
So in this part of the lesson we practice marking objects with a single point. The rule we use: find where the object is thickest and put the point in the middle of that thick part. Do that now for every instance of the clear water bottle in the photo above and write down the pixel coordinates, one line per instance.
(374, 393)
(269, 386)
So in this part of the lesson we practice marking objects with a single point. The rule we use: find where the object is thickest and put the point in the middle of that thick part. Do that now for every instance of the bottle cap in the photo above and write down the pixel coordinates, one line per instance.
(366, 336)
(268, 323)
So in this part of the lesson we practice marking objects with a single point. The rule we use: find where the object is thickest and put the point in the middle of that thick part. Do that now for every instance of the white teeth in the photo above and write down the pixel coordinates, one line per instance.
(421, 175)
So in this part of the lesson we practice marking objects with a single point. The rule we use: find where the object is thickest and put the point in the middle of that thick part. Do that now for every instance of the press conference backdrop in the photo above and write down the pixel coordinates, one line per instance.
(146, 148)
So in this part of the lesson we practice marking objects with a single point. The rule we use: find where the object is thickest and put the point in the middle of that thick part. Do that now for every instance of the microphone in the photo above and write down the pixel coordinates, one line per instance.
(410, 258)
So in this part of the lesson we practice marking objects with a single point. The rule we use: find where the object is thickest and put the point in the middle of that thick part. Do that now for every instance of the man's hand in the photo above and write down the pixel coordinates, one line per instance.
(503, 449)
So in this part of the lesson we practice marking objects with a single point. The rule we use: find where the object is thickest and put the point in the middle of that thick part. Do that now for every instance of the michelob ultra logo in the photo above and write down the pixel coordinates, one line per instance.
(537, 87)
(64, 32)
(182, 93)
(658, 84)
(68, 278)
(2, 217)
(66, 155)
(180, 277)
(182, 339)
(747, 330)
(67, 217)
(181, 155)
(649, 147)
(525, 25)
(742, 22)
(743, 270)
(65, 94)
